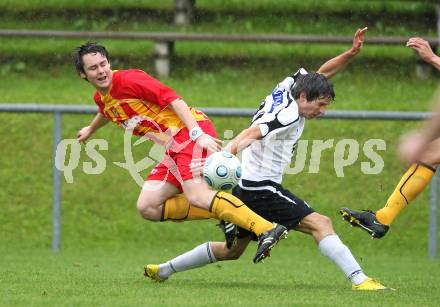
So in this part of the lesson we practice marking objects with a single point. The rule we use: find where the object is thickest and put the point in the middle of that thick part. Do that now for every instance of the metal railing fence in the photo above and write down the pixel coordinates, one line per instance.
(58, 110)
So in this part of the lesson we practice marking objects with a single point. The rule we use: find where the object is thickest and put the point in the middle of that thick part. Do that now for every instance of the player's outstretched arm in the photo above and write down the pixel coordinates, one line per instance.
(87, 131)
(244, 139)
(240, 142)
(332, 66)
(424, 50)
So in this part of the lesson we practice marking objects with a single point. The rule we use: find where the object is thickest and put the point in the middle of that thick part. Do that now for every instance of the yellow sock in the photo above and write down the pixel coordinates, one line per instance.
(229, 208)
(178, 209)
(412, 183)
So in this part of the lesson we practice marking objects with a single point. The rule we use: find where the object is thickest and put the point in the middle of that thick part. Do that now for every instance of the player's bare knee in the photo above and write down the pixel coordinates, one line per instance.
(148, 211)
(325, 224)
(319, 223)
(326, 221)
(144, 211)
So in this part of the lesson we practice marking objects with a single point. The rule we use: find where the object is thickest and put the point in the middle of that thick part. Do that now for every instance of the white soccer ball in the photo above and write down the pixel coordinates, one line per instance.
(222, 170)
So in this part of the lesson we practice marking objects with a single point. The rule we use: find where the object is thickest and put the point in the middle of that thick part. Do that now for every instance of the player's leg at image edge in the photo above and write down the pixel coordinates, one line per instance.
(377, 224)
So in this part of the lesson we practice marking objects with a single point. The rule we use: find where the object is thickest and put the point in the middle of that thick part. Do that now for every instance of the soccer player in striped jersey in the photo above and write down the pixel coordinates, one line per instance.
(268, 146)
(137, 102)
(421, 150)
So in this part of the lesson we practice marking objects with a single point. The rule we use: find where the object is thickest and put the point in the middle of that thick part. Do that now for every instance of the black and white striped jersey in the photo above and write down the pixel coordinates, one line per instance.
(281, 127)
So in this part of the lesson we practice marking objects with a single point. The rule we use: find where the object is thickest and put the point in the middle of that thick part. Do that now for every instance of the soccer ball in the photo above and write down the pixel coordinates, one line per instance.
(222, 170)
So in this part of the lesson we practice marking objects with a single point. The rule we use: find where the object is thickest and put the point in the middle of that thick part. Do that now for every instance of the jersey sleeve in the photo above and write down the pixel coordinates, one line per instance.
(139, 84)
(284, 118)
(279, 110)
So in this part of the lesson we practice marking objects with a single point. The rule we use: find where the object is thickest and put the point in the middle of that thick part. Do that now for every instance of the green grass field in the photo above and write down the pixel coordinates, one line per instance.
(296, 274)
(105, 243)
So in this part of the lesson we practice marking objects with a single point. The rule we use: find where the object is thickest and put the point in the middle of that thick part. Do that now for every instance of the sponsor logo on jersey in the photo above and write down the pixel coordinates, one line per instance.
(277, 96)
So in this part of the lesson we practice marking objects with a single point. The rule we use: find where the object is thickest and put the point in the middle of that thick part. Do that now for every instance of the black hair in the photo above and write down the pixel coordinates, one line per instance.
(80, 51)
(314, 85)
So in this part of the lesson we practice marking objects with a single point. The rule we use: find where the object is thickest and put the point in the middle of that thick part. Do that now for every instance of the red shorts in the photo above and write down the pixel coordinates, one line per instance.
(174, 167)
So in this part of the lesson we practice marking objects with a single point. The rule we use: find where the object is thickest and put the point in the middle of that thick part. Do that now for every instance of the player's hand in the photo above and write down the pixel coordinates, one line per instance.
(228, 148)
(358, 40)
(410, 147)
(84, 134)
(422, 47)
(196, 166)
(209, 143)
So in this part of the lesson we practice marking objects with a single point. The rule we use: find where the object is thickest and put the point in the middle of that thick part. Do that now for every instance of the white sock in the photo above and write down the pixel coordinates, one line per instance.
(197, 257)
(332, 247)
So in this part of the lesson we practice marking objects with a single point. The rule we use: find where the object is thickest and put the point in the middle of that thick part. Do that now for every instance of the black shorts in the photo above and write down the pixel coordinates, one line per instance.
(272, 202)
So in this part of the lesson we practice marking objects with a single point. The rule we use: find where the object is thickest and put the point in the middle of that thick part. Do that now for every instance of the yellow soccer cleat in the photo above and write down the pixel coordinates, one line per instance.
(370, 284)
(152, 271)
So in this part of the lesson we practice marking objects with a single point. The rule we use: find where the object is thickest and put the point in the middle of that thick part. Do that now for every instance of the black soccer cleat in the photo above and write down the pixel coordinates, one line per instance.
(231, 231)
(366, 220)
(268, 239)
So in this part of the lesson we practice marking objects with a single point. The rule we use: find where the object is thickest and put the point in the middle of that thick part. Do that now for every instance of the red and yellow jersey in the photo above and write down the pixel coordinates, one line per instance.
(138, 102)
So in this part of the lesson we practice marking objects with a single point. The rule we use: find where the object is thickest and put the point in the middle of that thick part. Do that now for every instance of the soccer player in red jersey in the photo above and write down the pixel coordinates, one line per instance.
(138, 102)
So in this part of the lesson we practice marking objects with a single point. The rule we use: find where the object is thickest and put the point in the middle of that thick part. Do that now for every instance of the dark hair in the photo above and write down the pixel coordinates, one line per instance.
(80, 51)
(314, 85)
